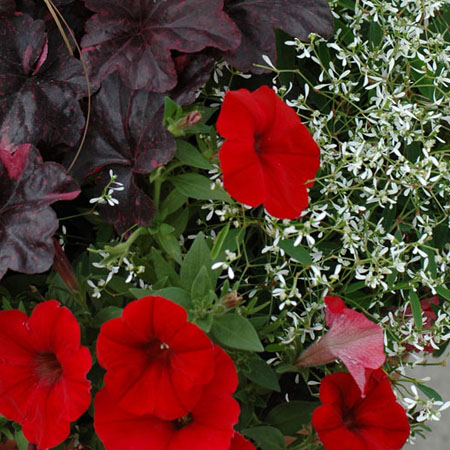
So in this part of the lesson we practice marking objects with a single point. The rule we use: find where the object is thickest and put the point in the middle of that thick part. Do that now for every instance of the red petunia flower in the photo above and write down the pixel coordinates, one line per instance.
(208, 425)
(268, 155)
(240, 443)
(43, 369)
(352, 338)
(346, 421)
(157, 363)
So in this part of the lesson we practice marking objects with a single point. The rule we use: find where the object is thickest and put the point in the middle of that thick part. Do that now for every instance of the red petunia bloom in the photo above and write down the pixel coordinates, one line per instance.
(157, 363)
(240, 443)
(346, 421)
(43, 369)
(268, 155)
(208, 425)
(352, 338)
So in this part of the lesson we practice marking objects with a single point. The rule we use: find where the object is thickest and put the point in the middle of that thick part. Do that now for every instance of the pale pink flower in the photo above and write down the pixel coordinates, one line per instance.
(352, 338)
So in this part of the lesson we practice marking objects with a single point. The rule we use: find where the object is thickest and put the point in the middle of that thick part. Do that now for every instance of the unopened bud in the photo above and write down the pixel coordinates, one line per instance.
(231, 300)
(188, 121)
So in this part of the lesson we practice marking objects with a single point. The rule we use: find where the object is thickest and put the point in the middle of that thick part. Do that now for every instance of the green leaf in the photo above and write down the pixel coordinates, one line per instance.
(172, 202)
(261, 373)
(266, 438)
(170, 244)
(375, 35)
(236, 332)
(22, 443)
(350, 4)
(139, 292)
(290, 417)
(163, 268)
(355, 287)
(108, 313)
(177, 295)
(179, 221)
(431, 261)
(171, 111)
(204, 322)
(429, 392)
(197, 257)
(416, 309)
(198, 186)
(298, 253)
(220, 239)
(443, 292)
(202, 284)
(190, 156)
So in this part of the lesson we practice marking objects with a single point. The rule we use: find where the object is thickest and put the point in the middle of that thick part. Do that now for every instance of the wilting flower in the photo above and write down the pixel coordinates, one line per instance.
(43, 369)
(207, 425)
(268, 155)
(240, 443)
(157, 363)
(352, 338)
(346, 420)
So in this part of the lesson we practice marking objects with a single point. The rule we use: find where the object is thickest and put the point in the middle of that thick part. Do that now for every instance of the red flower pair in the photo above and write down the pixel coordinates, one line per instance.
(166, 386)
(268, 155)
(347, 421)
(43, 369)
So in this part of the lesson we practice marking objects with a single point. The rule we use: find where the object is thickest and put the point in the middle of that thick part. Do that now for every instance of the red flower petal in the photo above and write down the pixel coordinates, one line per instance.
(347, 420)
(240, 443)
(43, 369)
(157, 363)
(267, 144)
(207, 426)
(352, 338)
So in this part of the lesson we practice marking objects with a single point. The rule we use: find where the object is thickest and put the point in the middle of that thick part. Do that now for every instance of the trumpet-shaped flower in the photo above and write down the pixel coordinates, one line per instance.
(43, 369)
(352, 338)
(268, 155)
(346, 420)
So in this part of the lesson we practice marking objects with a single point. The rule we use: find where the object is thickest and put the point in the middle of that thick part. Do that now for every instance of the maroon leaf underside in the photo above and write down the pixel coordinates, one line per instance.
(27, 223)
(39, 91)
(136, 38)
(125, 133)
(257, 20)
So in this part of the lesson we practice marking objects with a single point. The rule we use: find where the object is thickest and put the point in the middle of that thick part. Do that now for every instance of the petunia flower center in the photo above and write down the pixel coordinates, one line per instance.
(47, 368)
(183, 421)
(258, 143)
(349, 420)
(157, 349)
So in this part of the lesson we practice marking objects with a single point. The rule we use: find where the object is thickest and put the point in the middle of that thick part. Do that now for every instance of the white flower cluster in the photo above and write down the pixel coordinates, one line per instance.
(383, 181)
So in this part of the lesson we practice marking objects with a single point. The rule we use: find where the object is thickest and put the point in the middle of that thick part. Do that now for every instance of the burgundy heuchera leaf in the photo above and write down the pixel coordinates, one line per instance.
(136, 37)
(27, 187)
(126, 135)
(352, 338)
(257, 19)
(7, 7)
(40, 85)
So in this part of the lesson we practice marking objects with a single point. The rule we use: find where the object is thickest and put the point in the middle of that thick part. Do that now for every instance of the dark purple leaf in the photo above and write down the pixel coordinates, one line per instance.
(7, 7)
(257, 20)
(135, 207)
(27, 223)
(135, 38)
(193, 72)
(40, 85)
(126, 131)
